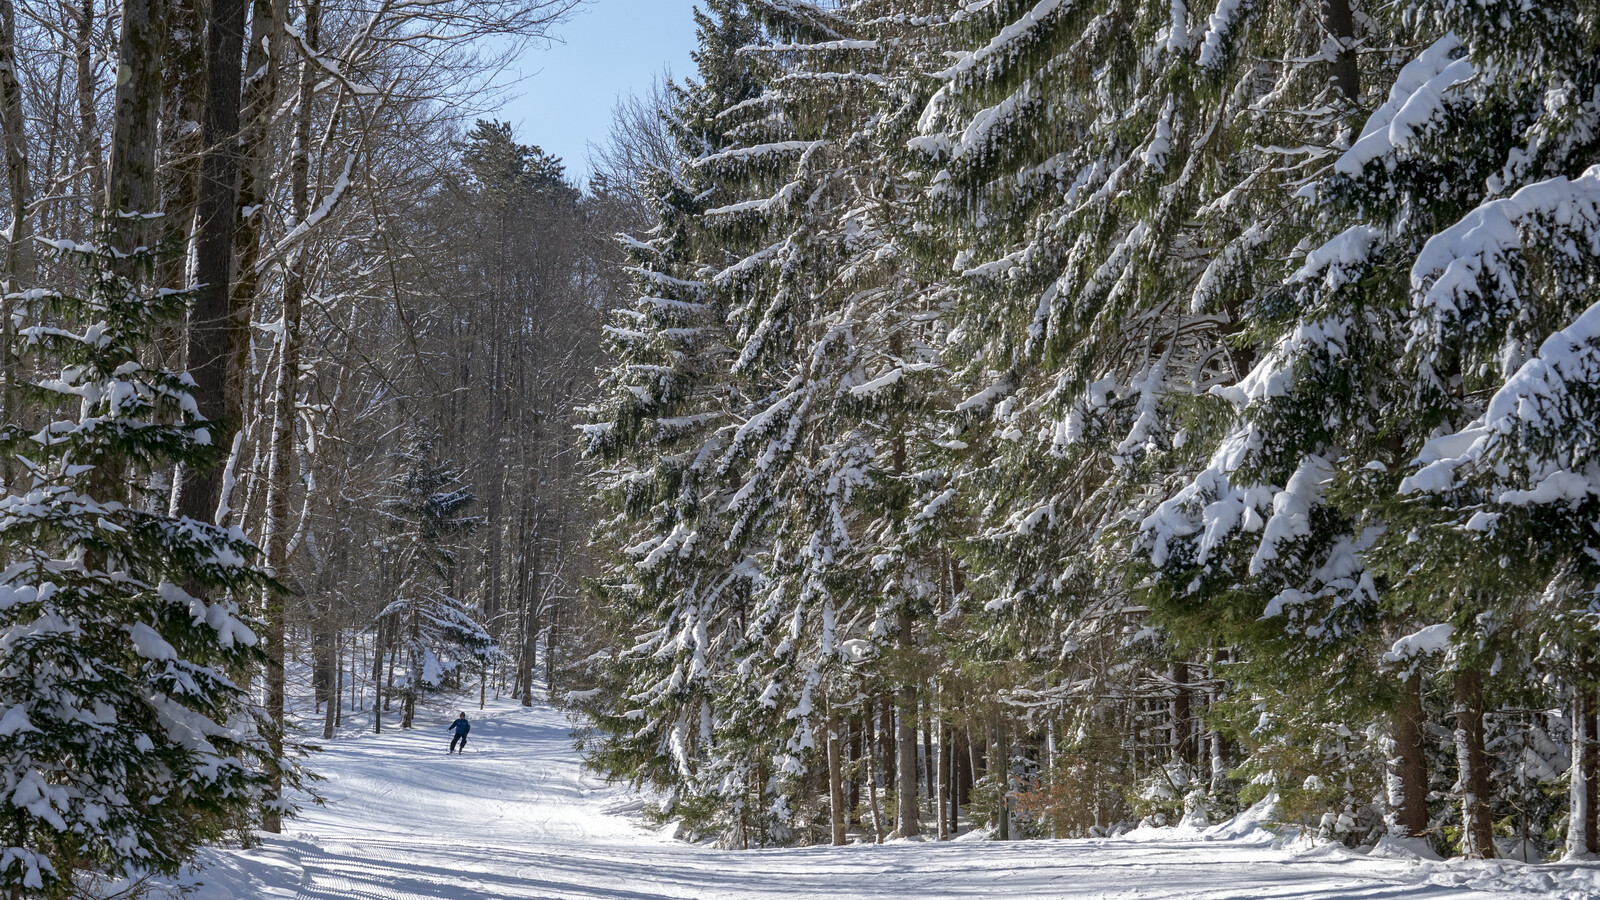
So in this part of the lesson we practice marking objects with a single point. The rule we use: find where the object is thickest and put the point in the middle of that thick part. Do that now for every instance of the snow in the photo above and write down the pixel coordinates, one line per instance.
(516, 817)
(1005, 44)
(1416, 99)
(1219, 29)
(1544, 396)
(1429, 640)
(1291, 510)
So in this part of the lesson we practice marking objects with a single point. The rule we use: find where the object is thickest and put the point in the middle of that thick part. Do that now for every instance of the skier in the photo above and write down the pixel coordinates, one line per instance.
(460, 726)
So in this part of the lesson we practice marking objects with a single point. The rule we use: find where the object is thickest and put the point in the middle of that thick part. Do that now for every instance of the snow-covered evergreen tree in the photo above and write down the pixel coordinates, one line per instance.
(1109, 181)
(1446, 253)
(841, 450)
(683, 572)
(437, 632)
(128, 738)
(1168, 395)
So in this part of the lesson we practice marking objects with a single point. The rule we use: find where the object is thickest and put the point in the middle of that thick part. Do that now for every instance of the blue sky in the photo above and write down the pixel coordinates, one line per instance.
(609, 47)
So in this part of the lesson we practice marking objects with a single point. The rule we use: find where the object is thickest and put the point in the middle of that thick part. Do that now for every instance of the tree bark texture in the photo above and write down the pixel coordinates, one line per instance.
(1410, 765)
(836, 780)
(19, 257)
(217, 216)
(1580, 841)
(131, 186)
(907, 819)
(1340, 25)
(1477, 834)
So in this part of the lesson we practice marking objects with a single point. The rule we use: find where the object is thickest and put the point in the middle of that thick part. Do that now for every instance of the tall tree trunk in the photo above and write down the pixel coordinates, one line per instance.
(1477, 833)
(1183, 743)
(285, 400)
(1591, 771)
(90, 160)
(530, 630)
(338, 676)
(941, 778)
(209, 321)
(1346, 76)
(322, 661)
(19, 257)
(886, 749)
(378, 651)
(855, 762)
(1580, 842)
(330, 715)
(835, 779)
(182, 144)
(258, 98)
(131, 186)
(1409, 779)
(908, 819)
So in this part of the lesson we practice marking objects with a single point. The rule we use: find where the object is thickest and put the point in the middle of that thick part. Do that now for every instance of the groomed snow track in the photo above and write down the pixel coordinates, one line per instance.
(516, 818)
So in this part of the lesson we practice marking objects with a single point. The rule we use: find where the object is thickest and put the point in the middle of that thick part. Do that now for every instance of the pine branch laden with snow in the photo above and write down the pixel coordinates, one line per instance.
(128, 737)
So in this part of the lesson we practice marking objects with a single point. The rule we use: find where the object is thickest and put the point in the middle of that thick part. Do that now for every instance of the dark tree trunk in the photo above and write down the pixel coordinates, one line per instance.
(855, 762)
(258, 95)
(91, 162)
(19, 257)
(330, 715)
(530, 631)
(1346, 76)
(281, 456)
(886, 748)
(209, 321)
(323, 661)
(1411, 761)
(182, 142)
(1183, 742)
(836, 809)
(378, 651)
(131, 187)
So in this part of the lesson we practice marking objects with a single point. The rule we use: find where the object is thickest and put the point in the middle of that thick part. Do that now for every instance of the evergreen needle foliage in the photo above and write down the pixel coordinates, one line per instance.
(128, 736)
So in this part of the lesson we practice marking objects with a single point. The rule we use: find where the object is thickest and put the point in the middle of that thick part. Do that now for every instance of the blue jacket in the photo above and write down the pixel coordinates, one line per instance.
(460, 727)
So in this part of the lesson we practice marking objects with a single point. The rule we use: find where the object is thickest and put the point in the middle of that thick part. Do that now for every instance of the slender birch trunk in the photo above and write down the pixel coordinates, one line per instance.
(1580, 843)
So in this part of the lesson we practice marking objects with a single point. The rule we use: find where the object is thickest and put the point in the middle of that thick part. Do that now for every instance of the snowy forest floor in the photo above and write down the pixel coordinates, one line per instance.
(517, 818)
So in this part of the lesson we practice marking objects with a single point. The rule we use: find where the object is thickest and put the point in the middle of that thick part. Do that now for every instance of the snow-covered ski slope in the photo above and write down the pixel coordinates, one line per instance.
(516, 818)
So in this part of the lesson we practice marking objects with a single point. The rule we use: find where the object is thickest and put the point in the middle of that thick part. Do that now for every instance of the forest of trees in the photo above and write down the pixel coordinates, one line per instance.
(1040, 416)
(292, 337)
(1051, 415)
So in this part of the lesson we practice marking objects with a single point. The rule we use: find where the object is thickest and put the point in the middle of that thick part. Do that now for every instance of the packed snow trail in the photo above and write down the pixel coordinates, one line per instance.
(517, 818)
